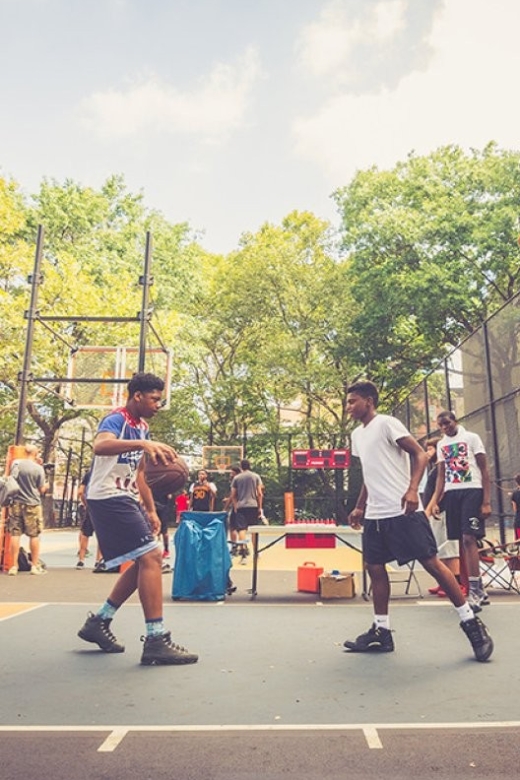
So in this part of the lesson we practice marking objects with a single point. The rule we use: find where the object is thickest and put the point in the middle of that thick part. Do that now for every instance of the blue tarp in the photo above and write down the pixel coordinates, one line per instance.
(202, 559)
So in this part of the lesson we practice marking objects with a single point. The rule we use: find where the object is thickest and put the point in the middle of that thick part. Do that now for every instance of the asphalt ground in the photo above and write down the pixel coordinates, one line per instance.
(273, 695)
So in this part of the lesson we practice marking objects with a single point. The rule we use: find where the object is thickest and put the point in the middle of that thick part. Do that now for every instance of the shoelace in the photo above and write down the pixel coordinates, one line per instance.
(166, 638)
(168, 641)
(105, 628)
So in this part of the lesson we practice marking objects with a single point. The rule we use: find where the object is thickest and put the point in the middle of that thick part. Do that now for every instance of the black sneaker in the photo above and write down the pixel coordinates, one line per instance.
(475, 601)
(98, 631)
(376, 640)
(478, 635)
(161, 650)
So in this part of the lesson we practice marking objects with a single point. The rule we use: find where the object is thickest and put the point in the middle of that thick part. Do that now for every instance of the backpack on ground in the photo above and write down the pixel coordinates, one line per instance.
(24, 560)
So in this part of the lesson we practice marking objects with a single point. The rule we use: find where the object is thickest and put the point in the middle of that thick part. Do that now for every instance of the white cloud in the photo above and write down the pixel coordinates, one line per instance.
(387, 19)
(325, 46)
(214, 107)
(467, 96)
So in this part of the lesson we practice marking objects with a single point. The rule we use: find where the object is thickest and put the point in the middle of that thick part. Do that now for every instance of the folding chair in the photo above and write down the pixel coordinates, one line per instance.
(499, 564)
(404, 575)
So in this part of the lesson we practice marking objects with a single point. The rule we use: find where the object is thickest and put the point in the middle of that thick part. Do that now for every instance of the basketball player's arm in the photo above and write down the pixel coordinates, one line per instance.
(43, 487)
(356, 516)
(234, 498)
(418, 462)
(107, 443)
(486, 484)
(212, 497)
(260, 498)
(432, 510)
(145, 494)
(81, 495)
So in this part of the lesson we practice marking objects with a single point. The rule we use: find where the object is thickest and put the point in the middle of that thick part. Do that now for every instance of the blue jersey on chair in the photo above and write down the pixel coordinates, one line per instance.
(202, 559)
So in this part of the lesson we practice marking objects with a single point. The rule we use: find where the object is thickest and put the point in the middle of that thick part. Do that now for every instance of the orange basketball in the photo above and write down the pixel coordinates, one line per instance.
(166, 478)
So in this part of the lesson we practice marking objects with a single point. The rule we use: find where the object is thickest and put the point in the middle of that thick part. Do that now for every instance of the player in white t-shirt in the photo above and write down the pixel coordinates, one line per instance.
(463, 480)
(394, 525)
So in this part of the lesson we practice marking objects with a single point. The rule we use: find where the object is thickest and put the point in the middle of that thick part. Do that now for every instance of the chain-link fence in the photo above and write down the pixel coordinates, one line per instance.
(480, 382)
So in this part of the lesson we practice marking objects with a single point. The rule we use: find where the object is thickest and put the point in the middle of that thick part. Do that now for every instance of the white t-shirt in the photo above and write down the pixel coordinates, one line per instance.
(458, 455)
(386, 467)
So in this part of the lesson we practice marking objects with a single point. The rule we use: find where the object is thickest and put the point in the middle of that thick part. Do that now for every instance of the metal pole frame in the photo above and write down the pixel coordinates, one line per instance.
(24, 377)
(32, 316)
(146, 280)
(494, 437)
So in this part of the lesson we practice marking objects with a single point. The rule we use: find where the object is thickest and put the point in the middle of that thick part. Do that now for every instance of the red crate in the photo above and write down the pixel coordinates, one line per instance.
(304, 541)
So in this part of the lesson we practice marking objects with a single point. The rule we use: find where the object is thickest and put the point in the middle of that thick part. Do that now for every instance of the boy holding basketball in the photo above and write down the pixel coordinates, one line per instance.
(127, 531)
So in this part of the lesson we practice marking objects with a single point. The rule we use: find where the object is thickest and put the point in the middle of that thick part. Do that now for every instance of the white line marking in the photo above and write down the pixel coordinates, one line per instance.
(370, 728)
(372, 738)
(22, 611)
(113, 740)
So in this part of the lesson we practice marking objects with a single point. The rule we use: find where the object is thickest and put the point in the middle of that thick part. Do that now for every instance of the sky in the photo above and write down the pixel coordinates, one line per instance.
(227, 114)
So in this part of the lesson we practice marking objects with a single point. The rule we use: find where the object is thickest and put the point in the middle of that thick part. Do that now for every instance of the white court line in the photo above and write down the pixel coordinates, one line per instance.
(22, 611)
(372, 738)
(113, 740)
(370, 730)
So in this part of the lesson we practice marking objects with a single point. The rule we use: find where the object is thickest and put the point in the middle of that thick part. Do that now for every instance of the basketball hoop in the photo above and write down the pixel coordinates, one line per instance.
(222, 464)
(99, 375)
(220, 459)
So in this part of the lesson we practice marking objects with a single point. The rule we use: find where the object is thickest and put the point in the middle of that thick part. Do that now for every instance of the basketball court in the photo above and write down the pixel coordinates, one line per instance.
(273, 695)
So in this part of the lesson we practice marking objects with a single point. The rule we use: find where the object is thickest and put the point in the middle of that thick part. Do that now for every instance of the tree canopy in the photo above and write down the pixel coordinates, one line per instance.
(431, 250)
(266, 339)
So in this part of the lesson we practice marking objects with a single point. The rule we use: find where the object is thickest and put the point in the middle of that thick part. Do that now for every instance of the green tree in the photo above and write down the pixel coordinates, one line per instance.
(92, 259)
(431, 251)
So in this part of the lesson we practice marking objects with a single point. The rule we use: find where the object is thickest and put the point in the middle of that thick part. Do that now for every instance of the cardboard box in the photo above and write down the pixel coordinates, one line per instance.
(337, 585)
(309, 577)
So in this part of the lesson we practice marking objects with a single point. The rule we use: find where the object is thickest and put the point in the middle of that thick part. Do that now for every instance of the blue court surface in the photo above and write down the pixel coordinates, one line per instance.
(273, 695)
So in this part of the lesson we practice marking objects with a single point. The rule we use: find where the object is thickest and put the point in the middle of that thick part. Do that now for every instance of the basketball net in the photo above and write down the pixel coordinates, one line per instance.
(222, 463)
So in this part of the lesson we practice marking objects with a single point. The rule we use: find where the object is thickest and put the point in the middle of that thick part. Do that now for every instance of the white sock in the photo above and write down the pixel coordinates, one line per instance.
(382, 621)
(465, 612)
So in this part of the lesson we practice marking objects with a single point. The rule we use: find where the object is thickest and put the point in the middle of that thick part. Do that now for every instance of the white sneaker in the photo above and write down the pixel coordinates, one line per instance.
(38, 569)
(13, 571)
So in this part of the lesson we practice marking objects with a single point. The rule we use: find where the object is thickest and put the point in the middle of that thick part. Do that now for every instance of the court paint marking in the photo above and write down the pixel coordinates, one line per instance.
(370, 730)
(372, 738)
(113, 740)
(10, 610)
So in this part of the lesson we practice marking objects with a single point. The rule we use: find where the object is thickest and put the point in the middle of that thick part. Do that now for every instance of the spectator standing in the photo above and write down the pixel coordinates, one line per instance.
(86, 530)
(165, 511)
(515, 501)
(463, 480)
(202, 494)
(448, 549)
(182, 503)
(25, 512)
(247, 495)
(227, 504)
